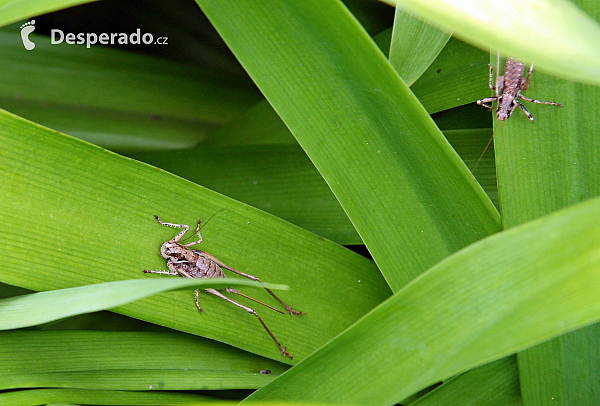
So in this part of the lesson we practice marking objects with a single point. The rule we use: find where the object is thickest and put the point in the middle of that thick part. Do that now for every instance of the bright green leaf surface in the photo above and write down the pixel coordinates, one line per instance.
(495, 297)
(38, 308)
(73, 214)
(415, 44)
(362, 128)
(15, 10)
(556, 34)
(98, 397)
(127, 361)
(493, 384)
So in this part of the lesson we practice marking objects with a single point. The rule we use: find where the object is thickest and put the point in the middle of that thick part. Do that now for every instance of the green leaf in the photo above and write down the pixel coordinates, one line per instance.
(97, 397)
(16, 10)
(415, 44)
(496, 383)
(362, 128)
(127, 361)
(556, 34)
(74, 214)
(493, 298)
(39, 308)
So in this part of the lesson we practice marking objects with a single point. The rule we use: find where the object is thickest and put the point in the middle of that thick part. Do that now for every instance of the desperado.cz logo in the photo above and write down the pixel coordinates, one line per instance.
(27, 29)
(90, 38)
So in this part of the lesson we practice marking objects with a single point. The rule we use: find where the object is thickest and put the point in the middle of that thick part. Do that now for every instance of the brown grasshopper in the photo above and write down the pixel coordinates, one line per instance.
(183, 261)
(508, 89)
(507, 92)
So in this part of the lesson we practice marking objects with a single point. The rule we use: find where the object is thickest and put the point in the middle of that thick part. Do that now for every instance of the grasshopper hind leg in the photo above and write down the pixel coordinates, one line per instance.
(250, 310)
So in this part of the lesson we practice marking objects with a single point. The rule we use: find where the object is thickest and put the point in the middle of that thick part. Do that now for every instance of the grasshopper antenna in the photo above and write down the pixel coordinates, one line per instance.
(482, 154)
(204, 223)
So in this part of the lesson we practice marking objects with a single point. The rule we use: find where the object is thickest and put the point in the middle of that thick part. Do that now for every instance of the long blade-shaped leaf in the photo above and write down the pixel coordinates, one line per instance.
(98, 397)
(128, 361)
(39, 308)
(495, 297)
(415, 44)
(362, 128)
(15, 10)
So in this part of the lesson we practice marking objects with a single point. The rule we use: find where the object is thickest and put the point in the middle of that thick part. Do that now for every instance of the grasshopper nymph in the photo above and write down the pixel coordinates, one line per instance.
(183, 261)
(508, 89)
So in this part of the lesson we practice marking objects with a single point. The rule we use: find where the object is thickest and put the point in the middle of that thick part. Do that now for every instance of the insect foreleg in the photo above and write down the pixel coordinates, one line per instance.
(178, 236)
(529, 116)
(251, 311)
(483, 102)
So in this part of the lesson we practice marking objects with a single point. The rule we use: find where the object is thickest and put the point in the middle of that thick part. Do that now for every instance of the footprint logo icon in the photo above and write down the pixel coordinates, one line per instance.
(27, 29)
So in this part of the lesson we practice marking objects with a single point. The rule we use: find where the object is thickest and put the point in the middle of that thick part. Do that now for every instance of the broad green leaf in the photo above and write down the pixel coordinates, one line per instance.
(74, 214)
(556, 34)
(16, 10)
(114, 98)
(493, 384)
(415, 44)
(362, 128)
(500, 295)
(127, 361)
(98, 397)
(38, 308)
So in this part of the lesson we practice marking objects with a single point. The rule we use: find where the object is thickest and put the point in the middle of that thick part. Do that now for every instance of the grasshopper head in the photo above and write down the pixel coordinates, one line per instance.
(502, 115)
(168, 249)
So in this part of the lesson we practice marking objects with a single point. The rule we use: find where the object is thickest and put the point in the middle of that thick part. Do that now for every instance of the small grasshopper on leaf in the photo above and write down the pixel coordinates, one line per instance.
(507, 92)
(508, 89)
(183, 261)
